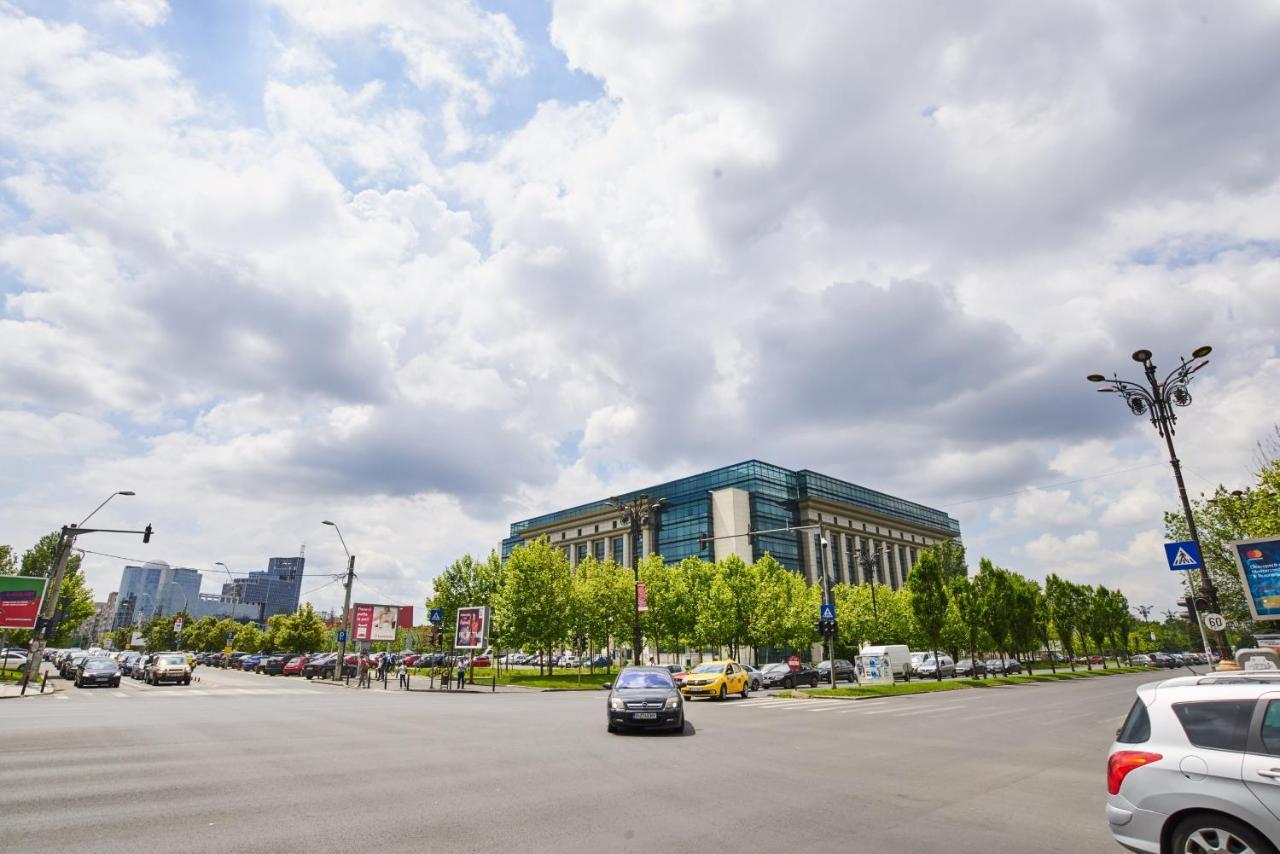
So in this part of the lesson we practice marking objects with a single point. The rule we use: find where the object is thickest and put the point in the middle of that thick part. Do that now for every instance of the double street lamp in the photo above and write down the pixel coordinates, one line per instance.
(1156, 398)
(637, 513)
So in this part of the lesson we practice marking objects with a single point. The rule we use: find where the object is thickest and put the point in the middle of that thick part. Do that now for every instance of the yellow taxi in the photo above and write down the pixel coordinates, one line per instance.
(716, 679)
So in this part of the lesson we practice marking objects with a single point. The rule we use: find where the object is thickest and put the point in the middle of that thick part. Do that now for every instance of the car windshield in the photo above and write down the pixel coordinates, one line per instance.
(174, 659)
(98, 664)
(774, 668)
(709, 668)
(644, 679)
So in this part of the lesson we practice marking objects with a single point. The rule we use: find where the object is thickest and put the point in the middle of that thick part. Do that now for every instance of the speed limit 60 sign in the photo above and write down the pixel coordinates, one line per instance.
(1214, 622)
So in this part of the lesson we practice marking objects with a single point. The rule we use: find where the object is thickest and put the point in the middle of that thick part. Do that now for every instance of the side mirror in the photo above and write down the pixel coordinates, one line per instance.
(608, 686)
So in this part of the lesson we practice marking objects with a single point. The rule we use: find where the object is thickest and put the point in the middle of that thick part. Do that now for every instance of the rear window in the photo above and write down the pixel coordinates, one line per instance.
(1137, 726)
(1218, 725)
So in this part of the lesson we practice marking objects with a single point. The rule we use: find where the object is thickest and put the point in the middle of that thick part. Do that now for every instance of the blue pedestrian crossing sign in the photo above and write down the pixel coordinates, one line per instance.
(437, 616)
(828, 613)
(1183, 555)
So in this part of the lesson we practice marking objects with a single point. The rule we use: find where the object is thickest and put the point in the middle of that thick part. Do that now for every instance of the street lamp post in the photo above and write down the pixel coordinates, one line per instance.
(346, 610)
(870, 563)
(1157, 400)
(636, 513)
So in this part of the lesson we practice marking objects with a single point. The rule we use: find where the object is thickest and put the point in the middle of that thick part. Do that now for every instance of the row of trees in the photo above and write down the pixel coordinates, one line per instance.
(303, 631)
(540, 603)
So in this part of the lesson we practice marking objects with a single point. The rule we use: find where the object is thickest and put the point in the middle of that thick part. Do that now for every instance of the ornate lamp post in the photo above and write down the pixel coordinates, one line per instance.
(869, 560)
(1157, 399)
(637, 513)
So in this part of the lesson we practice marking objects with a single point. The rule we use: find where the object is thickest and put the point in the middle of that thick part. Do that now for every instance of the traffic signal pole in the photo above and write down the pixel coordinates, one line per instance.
(66, 540)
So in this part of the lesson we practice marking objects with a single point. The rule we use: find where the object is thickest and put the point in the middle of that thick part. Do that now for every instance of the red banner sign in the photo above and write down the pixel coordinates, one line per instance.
(20, 599)
(642, 597)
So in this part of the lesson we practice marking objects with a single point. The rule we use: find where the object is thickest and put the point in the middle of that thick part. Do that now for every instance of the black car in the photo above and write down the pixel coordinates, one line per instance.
(273, 665)
(644, 698)
(98, 671)
(318, 665)
(1005, 667)
(971, 667)
(844, 670)
(782, 676)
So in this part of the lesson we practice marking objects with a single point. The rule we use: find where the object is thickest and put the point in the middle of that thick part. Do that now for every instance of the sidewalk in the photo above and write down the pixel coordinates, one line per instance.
(10, 690)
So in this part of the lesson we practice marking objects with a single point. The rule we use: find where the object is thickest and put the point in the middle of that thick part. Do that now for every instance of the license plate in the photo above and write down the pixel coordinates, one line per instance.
(646, 716)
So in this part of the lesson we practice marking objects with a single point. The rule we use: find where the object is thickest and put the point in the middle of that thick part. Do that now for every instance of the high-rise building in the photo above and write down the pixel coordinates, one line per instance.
(714, 514)
(277, 590)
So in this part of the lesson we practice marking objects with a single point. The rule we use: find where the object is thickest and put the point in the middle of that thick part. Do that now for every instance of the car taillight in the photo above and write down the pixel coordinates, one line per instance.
(1122, 762)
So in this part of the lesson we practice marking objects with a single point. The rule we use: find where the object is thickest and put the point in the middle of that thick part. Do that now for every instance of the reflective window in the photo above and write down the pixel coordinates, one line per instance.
(1271, 728)
(1216, 725)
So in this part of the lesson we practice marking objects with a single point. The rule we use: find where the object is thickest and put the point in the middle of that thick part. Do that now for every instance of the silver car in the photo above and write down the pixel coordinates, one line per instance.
(1196, 766)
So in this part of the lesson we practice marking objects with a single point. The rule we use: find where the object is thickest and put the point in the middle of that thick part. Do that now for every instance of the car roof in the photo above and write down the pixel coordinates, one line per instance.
(652, 668)
(1222, 685)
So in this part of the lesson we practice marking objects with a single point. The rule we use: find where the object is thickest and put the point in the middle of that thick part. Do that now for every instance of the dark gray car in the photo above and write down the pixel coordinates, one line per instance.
(644, 698)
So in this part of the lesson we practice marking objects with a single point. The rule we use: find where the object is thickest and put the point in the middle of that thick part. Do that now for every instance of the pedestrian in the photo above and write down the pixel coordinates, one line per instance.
(404, 675)
(462, 673)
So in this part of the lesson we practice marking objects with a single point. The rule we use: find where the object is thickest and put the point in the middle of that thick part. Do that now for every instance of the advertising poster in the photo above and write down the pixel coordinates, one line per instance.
(375, 622)
(472, 627)
(20, 599)
(1259, 565)
(874, 670)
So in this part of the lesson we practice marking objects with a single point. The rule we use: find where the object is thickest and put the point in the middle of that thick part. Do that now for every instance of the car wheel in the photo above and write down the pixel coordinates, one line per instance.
(612, 728)
(1212, 832)
(723, 693)
(186, 681)
(813, 682)
(746, 690)
(788, 682)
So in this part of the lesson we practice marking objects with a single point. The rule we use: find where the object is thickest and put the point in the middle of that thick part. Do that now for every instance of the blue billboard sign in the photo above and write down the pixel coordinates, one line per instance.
(1259, 565)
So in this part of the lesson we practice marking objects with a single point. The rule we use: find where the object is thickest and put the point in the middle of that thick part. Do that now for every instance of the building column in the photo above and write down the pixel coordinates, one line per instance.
(627, 551)
(896, 555)
(857, 572)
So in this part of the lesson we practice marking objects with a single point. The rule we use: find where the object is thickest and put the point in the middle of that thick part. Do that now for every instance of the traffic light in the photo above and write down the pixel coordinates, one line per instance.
(751, 534)
(146, 533)
(702, 541)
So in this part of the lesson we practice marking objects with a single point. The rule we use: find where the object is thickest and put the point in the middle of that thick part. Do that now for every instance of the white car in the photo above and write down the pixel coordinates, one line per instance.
(13, 660)
(1196, 766)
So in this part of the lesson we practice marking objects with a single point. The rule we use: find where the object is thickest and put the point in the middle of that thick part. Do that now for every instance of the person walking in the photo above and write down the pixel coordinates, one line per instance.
(404, 675)
(462, 673)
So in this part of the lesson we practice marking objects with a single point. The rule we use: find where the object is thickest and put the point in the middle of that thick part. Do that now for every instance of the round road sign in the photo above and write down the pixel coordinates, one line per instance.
(1214, 622)
(794, 662)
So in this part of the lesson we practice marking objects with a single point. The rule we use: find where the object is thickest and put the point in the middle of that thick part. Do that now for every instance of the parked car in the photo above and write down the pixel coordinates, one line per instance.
(139, 669)
(781, 675)
(1195, 766)
(127, 661)
(273, 665)
(487, 661)
(98, 671)
(677, 672)
(1140, 660)
(168, 667)
(315, 664)
(67, 669)
(716, 679)
(844, 670)
(972, 667)
(1004, 667)
(250, 662)
(644, 698)
(12, 659)
(293, 667)
(757, 678)
(924, 665)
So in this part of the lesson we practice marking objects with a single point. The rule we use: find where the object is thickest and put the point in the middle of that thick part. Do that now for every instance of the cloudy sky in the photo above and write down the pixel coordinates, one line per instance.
(425, 269)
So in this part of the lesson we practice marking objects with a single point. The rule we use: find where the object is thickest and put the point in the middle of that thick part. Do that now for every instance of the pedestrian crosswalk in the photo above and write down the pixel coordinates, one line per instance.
(890, 708)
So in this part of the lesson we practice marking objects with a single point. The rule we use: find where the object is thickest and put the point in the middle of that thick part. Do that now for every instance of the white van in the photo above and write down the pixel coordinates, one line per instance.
(899, 658)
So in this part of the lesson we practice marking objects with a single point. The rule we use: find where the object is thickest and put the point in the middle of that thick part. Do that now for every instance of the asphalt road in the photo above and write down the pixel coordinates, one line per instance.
(240, 762)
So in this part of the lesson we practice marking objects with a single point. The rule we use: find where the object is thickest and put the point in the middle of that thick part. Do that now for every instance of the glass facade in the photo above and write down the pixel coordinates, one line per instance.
(774, 497)
(277, 590)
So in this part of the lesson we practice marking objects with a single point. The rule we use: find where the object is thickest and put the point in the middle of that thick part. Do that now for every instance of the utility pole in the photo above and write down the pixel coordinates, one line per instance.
(66, 540)
(826, 598)
(346, 620)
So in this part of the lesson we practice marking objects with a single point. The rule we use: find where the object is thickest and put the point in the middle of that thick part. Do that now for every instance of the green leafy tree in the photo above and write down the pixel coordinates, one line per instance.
(158, 632)
(672, 615)
(467, 582)
(740, 582)
(536, 601)
(781, 602)
(249, 638)
(967, 601)
(951, 558)
(304, 631)
(1098, 620)
(8, 560)
(605, 593)
(1065, 611)
(1120, 623)
(995, 591)
(1024, 602)
(929, 600)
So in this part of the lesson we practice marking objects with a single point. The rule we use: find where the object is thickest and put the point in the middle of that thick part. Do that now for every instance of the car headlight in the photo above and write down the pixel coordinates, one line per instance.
(615, 703)
(673, 702)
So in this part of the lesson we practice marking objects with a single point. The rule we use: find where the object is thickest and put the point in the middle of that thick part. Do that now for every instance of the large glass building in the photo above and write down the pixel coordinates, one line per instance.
(728, 504)
(277, 590)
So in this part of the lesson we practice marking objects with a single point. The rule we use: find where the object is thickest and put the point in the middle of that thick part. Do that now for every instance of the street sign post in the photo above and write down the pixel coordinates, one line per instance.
(1214, 622)
(342, 635)
(1183, 556)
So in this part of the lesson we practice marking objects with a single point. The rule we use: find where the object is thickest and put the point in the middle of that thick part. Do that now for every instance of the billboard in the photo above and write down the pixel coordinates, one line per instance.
(375, 622)
(20, 598)
(472, 627)
(1259, 564)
